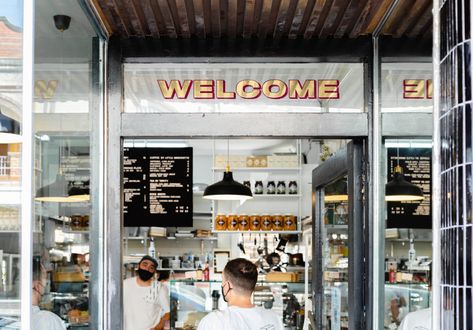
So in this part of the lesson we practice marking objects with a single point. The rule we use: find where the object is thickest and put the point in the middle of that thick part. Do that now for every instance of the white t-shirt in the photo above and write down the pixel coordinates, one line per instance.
(418, 320)
(45, 320)
(143, 306)
(237, 318)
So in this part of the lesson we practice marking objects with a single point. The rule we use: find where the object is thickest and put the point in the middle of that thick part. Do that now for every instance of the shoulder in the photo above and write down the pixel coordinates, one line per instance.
(48, 319)
(129, 282)
(213, 320)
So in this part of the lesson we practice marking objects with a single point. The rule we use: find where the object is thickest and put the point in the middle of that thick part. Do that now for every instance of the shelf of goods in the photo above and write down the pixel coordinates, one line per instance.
(275, 181)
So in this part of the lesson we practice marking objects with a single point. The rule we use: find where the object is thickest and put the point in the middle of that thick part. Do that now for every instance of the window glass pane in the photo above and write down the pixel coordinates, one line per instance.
(11, 21)
(63, 106)
(252, 87)
(406, 87)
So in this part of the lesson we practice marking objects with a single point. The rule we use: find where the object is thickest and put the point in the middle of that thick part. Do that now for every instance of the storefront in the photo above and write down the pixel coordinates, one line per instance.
(313, 121)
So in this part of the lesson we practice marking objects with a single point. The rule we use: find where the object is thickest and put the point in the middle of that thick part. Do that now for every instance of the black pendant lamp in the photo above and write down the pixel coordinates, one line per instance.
(228, 189)
(399, 189)
(9, 130)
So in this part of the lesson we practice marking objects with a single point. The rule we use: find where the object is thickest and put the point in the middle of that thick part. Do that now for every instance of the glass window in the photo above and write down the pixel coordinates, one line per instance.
(11, 16)
(65, 102)
(406, 87)
(244, 87)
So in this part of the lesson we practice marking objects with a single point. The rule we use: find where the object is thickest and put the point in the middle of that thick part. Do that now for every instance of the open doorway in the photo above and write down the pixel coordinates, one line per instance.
(273, 229)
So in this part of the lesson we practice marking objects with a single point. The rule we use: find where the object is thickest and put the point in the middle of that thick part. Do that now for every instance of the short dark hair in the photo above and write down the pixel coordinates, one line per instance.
(242, 273)
(36, 264)
(155, 263)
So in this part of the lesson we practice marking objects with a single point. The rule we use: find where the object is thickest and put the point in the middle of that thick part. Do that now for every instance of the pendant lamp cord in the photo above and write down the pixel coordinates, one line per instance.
(228, 155)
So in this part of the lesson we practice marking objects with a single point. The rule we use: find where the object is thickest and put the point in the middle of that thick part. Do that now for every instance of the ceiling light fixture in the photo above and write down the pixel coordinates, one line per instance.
(228, 189)
(399, 189)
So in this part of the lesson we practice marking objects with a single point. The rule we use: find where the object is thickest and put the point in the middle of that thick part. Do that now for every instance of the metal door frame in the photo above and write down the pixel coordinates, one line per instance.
(120, 125)
(348, 161)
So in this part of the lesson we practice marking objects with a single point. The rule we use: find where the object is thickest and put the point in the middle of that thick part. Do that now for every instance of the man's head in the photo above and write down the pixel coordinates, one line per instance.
(239, 279)
(39, 280)
(147, 268)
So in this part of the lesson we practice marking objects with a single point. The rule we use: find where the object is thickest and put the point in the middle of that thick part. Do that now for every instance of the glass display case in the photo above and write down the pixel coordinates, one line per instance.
(192, 300)
(403, 298)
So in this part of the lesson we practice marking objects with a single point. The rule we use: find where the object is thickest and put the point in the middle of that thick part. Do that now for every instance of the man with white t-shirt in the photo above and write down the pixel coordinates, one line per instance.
(41, 319)
(238, 283)
(145, 300)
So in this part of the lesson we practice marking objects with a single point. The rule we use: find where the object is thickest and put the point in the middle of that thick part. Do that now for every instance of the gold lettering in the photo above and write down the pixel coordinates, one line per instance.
(253, 93)
(430, 89)
(414, 89)
(45, 90)
(175, 88)
(329, 89)
(204, 89)
(268, 89)
(307, 91)
(221, 93)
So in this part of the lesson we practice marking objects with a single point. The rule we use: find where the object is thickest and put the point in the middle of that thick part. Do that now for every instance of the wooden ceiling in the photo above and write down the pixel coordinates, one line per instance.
(264, 19)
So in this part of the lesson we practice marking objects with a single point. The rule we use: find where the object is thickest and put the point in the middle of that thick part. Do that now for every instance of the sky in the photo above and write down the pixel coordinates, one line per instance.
(12, 10)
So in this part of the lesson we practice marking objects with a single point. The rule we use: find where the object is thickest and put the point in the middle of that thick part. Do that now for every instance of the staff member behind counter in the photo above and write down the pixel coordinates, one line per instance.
(145, 300)
(238, 283)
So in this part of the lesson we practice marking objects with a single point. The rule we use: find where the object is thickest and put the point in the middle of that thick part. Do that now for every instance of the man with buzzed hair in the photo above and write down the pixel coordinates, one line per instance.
(238, 283)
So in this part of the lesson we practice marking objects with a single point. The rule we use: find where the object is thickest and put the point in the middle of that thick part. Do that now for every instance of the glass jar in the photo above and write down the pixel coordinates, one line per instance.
(293, 187)
(221, 222)
(271, 188)
(258, 187)
(281, 188)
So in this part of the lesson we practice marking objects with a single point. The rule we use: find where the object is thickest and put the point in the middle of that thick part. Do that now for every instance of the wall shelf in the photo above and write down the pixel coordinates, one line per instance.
(257, 231)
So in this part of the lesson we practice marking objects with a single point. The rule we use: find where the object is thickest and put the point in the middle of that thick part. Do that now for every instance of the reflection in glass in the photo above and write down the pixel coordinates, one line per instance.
(10, 158)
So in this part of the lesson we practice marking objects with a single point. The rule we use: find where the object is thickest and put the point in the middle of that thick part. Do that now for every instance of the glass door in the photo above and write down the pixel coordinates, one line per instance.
(338, 237)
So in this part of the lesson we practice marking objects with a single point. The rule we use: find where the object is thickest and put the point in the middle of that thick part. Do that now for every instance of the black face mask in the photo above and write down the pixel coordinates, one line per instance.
(144, 274)
(224, 296)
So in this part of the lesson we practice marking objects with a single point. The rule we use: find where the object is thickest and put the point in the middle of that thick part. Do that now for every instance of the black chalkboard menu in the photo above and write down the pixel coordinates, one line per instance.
(157, 185)
(416, 164)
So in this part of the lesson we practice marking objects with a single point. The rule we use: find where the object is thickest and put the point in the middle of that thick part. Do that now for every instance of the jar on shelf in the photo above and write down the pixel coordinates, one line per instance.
(271, 188)
(290, 222)
(292, 187)
(278, 222)
(255, 222)
(76, 222)
(258, 187)
(281, 188)
(243, 222)
(247, 183)
(266, 222)
(232, 222)
(221, 222)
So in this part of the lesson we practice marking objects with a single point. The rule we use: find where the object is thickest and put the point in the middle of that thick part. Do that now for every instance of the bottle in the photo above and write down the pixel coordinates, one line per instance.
(206, 272)
(199, 273)
(411, 253)
(392, 275)
(152, 249)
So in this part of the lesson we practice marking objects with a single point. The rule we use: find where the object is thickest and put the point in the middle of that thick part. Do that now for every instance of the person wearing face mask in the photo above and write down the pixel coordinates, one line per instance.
(40, 319)
(145, 300)
(238, 283)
